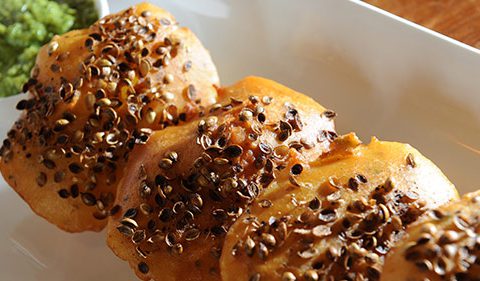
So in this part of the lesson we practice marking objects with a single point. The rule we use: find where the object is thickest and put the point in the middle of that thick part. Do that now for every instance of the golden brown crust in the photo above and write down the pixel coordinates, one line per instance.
(339, 218)
(445, 245)
(201, 176)
(93, 96)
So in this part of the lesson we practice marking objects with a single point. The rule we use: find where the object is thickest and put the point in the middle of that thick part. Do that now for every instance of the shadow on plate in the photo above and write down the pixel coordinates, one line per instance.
(37, 250)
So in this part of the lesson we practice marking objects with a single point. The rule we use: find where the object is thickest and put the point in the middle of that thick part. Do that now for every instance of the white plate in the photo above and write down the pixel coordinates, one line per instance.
(384, 76)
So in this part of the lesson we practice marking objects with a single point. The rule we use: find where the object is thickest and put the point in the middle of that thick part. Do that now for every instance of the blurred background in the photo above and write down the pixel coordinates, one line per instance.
(459, 19)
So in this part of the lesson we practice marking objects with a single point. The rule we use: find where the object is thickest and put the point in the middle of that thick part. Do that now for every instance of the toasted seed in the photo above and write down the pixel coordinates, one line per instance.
(262, 251)
(411, 161)
(177, 249)
(131, 213)
(221, 161)
(191, 92)
(90, 100)
(412, 195)
(297, 169)
(330, 114)
(74, 190)
(220, 214)
(321, 231)
(311, 275)
(168, 189)
(424, 239)
(60, 124)
(429, 228)
(52, 47)
(281, 151)
(55, 68)
(59, 176)
(293, 180)
(424, 265)
(104, 102)
(451, 249)
(165, 164)
(361, 178)
(288, 276)
(129, 222)
(168, 96)
(125, 230)
(332, 252)
(192, 234)
(100, 205)
(168, 78)
(373, 273)
(266, 100)
(41, 179)
(146, 14)
(255, 277)
(187, 66)
(49, 164)
(353, 184)
(450, 236)
(333, 182)
(269, 239)
(75, 168)
(245, 115)
(314, 204)
(140, 252)
(172, 155)
(385, 212)
(89, 43)
(437, 214)
(197, 200)
(21, 105)
(88, 199)
(229, 184)
(283, 136)
(138, 236)
(265, 203)
(165, 215)
(144, 68)
(249, 246)
(308, 253)
(233, 151)
(63, 193)
(254, 99)
(144, 190)
(460, 223)
(211, 121)
(146, 209)
(104, 62)
(170, 239)
(335, 196)
(261, 117)
(285, 126)
(150, 116)
(143, 267)
(327, 215)
(265, 148)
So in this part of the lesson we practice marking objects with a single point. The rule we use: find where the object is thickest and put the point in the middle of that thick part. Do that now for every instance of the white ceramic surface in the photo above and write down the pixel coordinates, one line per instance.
(383, 76)
(102, 7)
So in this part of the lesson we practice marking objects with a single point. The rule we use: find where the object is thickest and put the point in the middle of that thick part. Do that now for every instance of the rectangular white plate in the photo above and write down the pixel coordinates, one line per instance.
(383, 76)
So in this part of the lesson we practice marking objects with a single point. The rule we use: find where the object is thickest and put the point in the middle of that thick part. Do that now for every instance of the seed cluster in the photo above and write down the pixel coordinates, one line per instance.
(123, 102)
(242, 149)
(448, 244)
(359, 233)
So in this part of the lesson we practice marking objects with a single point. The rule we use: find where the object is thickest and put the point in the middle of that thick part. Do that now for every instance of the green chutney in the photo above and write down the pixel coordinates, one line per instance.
(26, 25)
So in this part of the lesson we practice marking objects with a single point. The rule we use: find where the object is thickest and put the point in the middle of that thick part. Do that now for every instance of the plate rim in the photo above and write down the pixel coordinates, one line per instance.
(429, 32)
